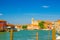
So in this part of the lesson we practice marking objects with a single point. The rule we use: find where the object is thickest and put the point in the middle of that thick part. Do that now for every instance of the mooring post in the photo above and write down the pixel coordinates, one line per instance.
(37, 36)
(49, 35)
(11, 34)
(53, 34)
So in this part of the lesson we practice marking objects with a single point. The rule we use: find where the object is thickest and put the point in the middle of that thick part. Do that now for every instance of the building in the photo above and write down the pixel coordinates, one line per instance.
(33, 25)
(35, 22)
(3, 25)
(48, 25)
(57, 26)
(18, 27)
(10, 26)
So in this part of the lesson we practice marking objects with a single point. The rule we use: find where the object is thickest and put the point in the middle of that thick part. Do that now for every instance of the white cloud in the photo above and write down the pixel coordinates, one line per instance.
(1, 14)
(44, 6)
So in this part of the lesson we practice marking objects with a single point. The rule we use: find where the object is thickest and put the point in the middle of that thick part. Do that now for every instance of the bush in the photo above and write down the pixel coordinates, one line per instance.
(24, 26)
(41, 24)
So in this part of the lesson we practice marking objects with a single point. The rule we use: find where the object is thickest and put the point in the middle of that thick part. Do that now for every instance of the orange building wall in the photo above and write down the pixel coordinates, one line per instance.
(2, 25)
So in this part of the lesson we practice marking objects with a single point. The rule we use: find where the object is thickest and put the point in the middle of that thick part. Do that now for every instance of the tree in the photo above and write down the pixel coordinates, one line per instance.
(41, 24)
(24, 26)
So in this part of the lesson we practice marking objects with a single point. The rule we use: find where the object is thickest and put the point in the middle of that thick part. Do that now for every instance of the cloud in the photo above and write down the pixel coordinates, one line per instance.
(1, 14)
(45, 6)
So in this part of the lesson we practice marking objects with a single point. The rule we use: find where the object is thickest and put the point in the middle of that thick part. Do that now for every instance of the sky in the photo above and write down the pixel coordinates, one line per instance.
(22, 11)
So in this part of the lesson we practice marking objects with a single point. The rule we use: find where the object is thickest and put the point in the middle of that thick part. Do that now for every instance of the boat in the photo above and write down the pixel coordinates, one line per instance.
(45, 29)
(57, 37)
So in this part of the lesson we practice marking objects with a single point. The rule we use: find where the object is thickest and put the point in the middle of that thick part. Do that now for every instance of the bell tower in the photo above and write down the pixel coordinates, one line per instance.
(32, 20)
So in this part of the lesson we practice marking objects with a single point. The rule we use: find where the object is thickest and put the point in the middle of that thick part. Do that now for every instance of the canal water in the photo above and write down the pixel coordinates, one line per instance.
(27, 35)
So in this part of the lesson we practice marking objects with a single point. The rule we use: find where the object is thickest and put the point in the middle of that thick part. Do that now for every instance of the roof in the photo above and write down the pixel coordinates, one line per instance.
(2, 21)
(10, 25)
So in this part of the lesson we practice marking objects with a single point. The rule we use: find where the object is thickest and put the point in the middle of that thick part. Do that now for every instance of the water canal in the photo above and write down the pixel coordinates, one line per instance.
(27, 35)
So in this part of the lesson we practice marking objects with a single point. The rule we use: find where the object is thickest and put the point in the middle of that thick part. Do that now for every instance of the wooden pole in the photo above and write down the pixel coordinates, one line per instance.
(37, 36)
(11, 34)
(53, 34)
(49, 35)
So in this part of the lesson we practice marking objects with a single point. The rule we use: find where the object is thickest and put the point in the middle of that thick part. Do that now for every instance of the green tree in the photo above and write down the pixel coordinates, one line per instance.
(24, 27)
(41, 24)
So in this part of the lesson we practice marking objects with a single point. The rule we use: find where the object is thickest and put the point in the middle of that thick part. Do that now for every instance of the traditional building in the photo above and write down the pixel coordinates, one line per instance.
(3, 25)
(48, 25)
(57, 26)
(10, 26)
(35, 22)
(33, 25)
(29, 27)
(18, 27)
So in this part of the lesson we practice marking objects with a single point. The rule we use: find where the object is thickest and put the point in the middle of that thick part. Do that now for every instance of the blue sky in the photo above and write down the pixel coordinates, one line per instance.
(22, 11)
